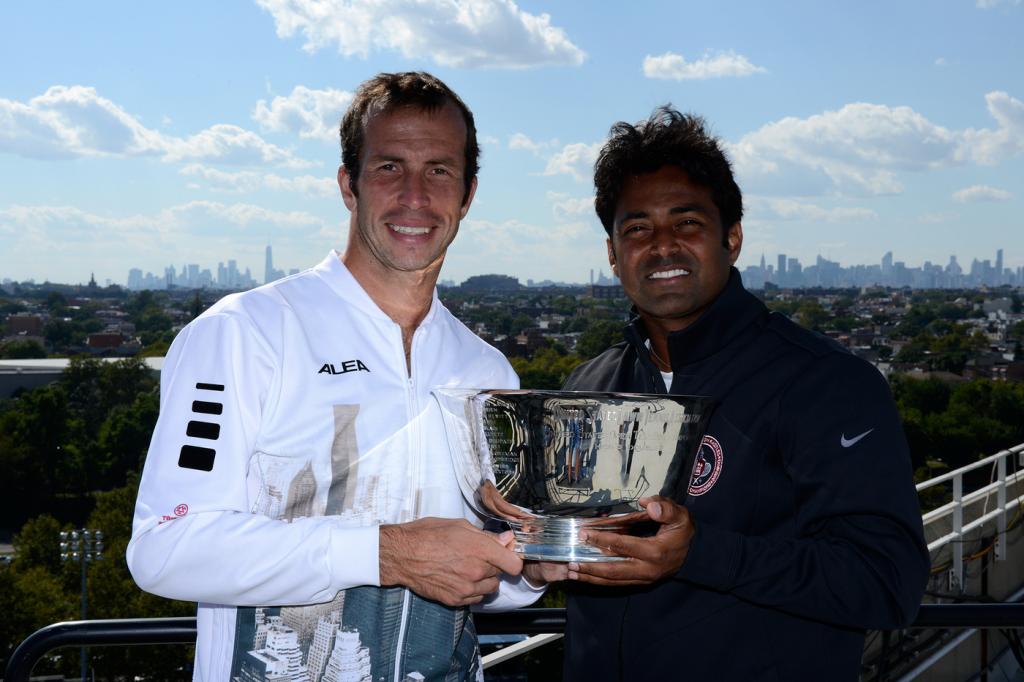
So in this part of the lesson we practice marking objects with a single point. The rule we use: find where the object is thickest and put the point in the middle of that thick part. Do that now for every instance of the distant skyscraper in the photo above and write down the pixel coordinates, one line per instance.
(887, 265)
(268, 272)
(999, 267)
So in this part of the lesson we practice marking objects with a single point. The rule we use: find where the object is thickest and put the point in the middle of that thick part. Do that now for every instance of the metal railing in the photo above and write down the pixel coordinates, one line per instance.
(999, 482)
(539, 622)
(546, 625)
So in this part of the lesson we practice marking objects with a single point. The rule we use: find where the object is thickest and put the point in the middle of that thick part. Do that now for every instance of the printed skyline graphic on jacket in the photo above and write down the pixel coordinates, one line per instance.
(354, 637)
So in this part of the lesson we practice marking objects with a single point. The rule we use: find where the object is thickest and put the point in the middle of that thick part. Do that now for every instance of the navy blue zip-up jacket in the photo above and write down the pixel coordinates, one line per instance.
(808, 529)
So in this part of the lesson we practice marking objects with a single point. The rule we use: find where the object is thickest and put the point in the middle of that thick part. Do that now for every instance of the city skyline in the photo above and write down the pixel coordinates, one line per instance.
(139, 137)
(782, 270)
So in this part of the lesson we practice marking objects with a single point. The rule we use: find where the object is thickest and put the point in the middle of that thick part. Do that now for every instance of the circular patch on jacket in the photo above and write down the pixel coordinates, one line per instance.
(707, 466)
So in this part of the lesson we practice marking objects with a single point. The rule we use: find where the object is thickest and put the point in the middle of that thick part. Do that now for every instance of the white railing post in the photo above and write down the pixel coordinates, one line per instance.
(956, 574)
(1001, 501)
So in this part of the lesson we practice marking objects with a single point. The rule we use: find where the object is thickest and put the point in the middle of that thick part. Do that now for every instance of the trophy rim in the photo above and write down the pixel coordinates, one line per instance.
(557, 393)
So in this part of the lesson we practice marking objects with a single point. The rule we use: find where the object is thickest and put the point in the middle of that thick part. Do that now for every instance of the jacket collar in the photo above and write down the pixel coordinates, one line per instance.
(341, 280)
(726, 318)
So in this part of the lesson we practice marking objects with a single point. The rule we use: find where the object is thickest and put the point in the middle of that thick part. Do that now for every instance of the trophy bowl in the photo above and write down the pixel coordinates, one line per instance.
(551, 463)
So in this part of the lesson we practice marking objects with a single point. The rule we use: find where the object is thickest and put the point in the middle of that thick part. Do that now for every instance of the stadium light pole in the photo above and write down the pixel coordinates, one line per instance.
(84, 546)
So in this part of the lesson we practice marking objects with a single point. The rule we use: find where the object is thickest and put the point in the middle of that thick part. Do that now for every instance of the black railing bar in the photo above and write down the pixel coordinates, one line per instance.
(970, 616)
(132, 631)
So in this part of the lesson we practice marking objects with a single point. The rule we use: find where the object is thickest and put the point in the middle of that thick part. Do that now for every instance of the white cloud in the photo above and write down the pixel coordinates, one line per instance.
(195, 217)
(305, 112)
(575, 159)
(940, 61)
(456, 33)
(671, 66)
(230, 144)
(938, 217)
(977, 193)
(788, 209)
(989, 146)
(72, 241)
(521, 141)
(74, 121)
(861, 147)
(251, 181)
(566, 207)
(526, 250)
(989, 4)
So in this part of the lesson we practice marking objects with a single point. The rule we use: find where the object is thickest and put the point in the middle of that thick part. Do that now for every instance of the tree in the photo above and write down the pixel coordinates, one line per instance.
(21, 349)
(114, 594)
(598, 337)
(547, 369)
(810, 314)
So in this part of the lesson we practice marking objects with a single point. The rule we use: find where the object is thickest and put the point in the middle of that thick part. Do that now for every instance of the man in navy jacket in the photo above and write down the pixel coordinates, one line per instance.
(801, 526)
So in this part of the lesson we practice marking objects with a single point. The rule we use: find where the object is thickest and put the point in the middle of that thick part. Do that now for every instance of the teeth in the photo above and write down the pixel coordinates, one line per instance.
(404, 229)
(666, 274)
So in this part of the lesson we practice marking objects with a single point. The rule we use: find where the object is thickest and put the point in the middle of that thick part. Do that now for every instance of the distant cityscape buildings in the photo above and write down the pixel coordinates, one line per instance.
(228, 277)
(789, 273)
(785, 272)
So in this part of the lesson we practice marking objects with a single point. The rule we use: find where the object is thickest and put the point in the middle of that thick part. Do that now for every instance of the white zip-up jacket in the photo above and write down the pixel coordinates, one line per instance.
(290, 429)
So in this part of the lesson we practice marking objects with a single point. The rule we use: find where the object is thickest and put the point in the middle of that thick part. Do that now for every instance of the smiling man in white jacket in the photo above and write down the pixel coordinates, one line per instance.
(299, 484)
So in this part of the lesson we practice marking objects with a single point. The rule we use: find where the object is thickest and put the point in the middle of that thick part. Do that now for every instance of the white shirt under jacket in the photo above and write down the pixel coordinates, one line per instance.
(289, 431)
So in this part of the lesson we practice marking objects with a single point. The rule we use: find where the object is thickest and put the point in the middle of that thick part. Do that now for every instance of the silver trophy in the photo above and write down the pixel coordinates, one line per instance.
(550, 463)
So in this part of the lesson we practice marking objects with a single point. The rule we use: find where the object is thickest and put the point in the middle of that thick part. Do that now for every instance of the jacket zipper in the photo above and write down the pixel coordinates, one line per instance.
(410, 408)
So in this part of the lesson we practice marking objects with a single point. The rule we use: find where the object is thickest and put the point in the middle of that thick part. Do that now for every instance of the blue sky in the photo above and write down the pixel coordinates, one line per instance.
(146, 135)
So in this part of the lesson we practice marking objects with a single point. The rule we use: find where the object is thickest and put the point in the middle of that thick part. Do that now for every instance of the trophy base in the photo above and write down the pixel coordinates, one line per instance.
(560, 553)
(557, 539)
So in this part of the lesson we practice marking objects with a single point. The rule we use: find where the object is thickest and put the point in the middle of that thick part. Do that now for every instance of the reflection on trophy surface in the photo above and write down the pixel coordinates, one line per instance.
(550, 463)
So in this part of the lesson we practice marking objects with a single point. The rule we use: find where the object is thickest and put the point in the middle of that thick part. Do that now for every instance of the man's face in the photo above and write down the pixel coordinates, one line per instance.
(666, 247)
(410, 190)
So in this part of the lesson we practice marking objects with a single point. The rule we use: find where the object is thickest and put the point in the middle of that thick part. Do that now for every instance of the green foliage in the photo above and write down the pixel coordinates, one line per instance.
(146, 311)
(38, 589)
(84, 433)
(9, 307)
(21, 349)
(810, 314)
(547, 369)
(56, 303)
(785, 307)
(598, 337)
(956, 424)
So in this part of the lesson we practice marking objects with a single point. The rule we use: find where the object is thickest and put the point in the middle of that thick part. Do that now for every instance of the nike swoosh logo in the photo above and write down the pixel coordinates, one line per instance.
(848, 443)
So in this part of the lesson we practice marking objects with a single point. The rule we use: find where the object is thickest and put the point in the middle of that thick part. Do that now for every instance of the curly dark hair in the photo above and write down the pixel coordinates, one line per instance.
(666, 138)
(388, 91)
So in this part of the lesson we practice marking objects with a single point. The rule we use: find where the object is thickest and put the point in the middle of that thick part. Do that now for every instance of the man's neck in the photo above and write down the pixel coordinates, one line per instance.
(405, 297)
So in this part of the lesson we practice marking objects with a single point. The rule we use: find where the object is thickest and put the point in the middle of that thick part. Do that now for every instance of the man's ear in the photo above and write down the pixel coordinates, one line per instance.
(347, 195)
(469, 199)
(734, 242)
(611, 256)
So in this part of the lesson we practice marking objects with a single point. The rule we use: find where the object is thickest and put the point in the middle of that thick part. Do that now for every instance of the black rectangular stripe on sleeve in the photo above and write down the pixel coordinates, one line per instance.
(207, 430)
(203, 407)
(193, 457)
(210, 387)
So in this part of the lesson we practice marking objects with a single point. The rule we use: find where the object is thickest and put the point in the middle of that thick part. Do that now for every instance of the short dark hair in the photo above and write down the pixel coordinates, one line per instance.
(389, 91)
(666, 138)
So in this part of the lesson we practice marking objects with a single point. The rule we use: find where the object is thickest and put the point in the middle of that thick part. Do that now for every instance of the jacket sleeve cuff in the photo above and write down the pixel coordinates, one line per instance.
(712, 558)
(514, 592)
(355, 556)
